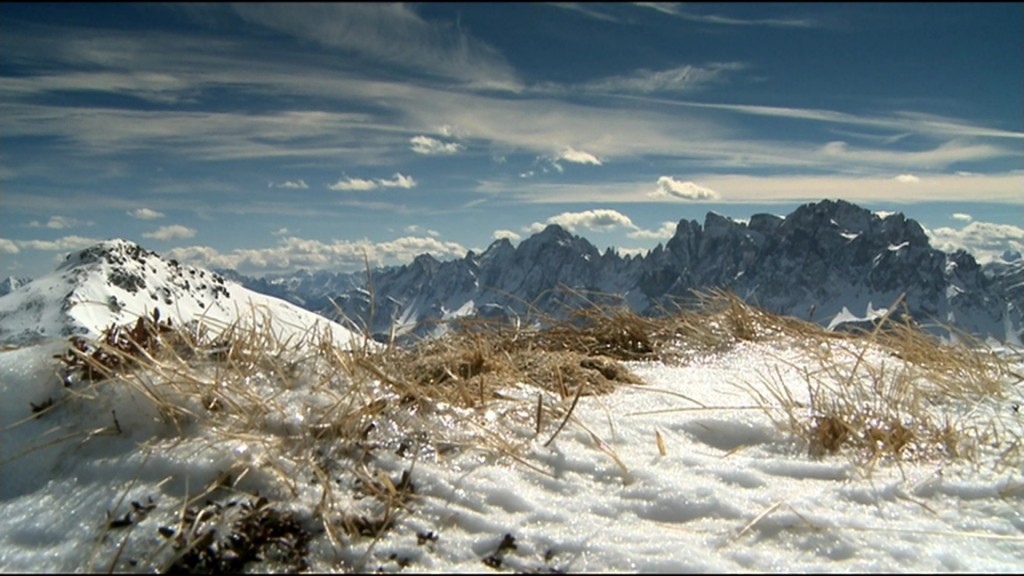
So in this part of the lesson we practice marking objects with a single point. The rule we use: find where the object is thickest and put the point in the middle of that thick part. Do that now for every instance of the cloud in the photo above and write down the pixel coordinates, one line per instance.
(907, 179)
(417, 229)
(279, 232)
(936, 187)
(292, 253)
(346, 184)
(431, 146)
(63, 244)
(8, 246)
(962, 217)
(172, 232)
(299, 184)
(676, 80)
(570, 154)
(359, 184)
(507, 234)
(586, 9)
(392, 34)
(674, 9)
(670, 187)
(987, 241)
(398, 181)
(630, 252)
(59, 223)
(145, 214)
(601, 219)
(666, 231)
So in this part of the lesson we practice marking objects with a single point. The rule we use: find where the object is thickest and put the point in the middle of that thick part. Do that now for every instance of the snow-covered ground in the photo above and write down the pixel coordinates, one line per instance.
(685, 472)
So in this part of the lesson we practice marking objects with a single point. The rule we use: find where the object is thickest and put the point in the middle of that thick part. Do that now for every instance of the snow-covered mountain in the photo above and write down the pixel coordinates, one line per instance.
(830, 261)
(310, 290)
(11, 283)
(117, 281)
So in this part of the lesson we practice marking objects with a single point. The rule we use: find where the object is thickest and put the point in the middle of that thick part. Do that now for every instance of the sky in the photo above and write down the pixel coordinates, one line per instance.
(269, 138)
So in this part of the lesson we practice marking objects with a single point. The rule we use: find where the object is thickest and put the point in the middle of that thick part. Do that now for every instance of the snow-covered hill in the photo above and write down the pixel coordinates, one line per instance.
(832, 261)
(115, 282)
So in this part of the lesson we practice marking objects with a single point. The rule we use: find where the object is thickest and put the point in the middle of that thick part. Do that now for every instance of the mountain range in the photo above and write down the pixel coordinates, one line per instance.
(831, 262)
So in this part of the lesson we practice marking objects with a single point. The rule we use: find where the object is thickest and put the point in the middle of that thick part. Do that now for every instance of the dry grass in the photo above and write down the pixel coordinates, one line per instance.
(317, 412)
(895, 393)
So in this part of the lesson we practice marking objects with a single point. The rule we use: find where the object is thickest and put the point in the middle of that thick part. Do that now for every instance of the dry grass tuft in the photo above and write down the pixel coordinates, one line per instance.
(895, 393)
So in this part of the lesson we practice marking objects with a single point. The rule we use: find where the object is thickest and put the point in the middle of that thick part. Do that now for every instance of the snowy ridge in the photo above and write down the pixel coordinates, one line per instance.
(116, 281)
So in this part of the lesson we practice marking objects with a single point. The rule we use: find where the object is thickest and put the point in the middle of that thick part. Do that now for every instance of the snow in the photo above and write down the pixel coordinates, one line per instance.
(688, 471)
(732, 492)
(115, 282)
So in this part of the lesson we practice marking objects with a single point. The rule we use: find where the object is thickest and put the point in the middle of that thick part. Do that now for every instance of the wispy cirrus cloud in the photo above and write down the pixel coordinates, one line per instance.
(681, 79)
(390, 33)
(681, 11)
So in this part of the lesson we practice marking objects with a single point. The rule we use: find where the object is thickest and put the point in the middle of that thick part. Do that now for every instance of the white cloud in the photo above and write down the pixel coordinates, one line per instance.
(987, 241)
(670, 187)
(398, 181)
(172, 232)
(8, 246)
(65, 243)
(359, 184)
(601, 219)
(570, 154)
(145, 214)
(299, 184)
(417, 229)
(279, 232)
(666, 231)
(432, 146)
(293, 253)
(907, 179)
(59, 223)
(346, 184)
(510, 235)
(962, 217)
(627, 252)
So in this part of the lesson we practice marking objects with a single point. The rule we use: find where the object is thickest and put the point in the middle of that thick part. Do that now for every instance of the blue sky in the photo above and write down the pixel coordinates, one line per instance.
(269, 138)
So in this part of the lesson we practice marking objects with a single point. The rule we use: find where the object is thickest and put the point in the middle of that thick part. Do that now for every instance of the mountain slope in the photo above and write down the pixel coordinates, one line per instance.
(116, 281)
